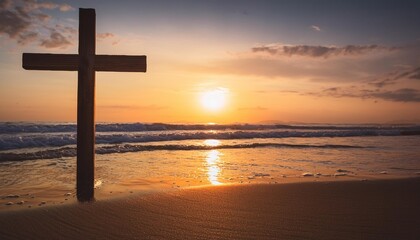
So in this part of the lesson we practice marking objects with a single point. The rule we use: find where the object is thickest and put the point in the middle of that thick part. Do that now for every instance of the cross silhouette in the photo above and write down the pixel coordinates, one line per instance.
(86, 63)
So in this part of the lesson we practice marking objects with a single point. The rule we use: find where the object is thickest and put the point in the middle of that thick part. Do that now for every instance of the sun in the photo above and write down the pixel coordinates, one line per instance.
(215, 99)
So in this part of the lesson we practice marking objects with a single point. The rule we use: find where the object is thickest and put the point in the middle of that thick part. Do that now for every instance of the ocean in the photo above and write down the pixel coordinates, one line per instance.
(37, 160)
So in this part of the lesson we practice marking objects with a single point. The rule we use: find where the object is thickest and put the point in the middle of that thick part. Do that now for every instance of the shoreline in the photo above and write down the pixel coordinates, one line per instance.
(374, 209)
(110, 193)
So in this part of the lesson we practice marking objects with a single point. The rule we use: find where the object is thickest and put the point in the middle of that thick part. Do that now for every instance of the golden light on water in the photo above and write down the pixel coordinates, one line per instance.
(212, 142)
(213, 170)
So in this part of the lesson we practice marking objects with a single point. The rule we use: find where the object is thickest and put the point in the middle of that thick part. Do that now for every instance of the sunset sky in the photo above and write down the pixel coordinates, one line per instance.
(221, 61)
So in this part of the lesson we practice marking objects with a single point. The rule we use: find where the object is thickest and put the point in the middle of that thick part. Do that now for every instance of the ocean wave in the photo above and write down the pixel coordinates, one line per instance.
(10, 127)
(71, 151)
(19, 141)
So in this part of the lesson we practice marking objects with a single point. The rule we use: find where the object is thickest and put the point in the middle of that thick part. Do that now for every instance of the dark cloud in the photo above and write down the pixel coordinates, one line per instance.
(5, 4)
(382, 83)
(415, 74)
(27, 37)
(319, 51)
(405, 73)
(56, 40)
(31, 5)
(24, 13)
(336, 92)
(19, 19)
(399, 95)
(333, 89)
(12, 23)
(401, 75)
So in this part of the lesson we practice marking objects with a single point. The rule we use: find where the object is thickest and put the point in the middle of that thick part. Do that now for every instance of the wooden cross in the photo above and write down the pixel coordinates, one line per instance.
(86, 63)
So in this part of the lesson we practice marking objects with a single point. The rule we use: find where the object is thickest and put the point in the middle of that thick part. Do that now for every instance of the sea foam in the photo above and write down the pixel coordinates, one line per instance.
(59, 139)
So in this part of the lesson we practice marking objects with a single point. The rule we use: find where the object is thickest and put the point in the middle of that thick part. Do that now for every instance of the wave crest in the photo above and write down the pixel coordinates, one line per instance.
(71, 151)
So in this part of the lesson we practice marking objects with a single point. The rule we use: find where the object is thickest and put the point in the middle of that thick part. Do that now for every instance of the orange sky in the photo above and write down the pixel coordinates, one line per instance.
(272, 67)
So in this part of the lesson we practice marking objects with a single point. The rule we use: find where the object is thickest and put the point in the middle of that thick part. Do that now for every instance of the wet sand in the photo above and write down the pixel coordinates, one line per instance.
(379, 209)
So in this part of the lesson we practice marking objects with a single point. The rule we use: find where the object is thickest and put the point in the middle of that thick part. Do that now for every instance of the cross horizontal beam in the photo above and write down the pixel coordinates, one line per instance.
(70, 62)
(86, 63)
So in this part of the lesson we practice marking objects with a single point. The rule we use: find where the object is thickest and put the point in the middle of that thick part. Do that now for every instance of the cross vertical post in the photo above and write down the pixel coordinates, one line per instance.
(86, 63)
(86, 106)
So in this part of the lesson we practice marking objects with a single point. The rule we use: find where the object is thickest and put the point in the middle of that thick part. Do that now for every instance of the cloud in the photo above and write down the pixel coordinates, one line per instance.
(43, 17)
(406, 73)
(381, 66)
(303, 69)
(65, 8)
(67, 29)
(412, 73)
(5, 4)
(31, 5)
(24, 22)
(316, 28)
(415, 74)
(336, 92)
(398, 95)
(382, 83)
(56, 40)
(278, 49)
(379, 88)
(22, 12)
(12, 23)
(108, 36)
(104, 35)
(27, 37)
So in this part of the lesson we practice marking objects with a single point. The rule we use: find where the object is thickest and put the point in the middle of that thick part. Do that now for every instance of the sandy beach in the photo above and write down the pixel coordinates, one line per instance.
(379, 209)
(210, 119)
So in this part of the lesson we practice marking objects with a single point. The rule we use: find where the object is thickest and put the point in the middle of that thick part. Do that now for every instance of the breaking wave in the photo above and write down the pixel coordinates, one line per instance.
(71, 151)
(19, 136)
(10, 127)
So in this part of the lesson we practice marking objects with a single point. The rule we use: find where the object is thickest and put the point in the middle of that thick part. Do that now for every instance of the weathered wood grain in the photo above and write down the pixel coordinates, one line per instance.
(86, 106)
(70, 62)
(86, 63)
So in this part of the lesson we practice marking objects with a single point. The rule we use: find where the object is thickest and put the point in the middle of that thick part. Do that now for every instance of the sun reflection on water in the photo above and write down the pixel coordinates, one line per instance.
(213, 170)
(211, 142)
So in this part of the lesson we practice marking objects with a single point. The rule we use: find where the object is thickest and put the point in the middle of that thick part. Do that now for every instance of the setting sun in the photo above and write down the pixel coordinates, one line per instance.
(215, 99)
